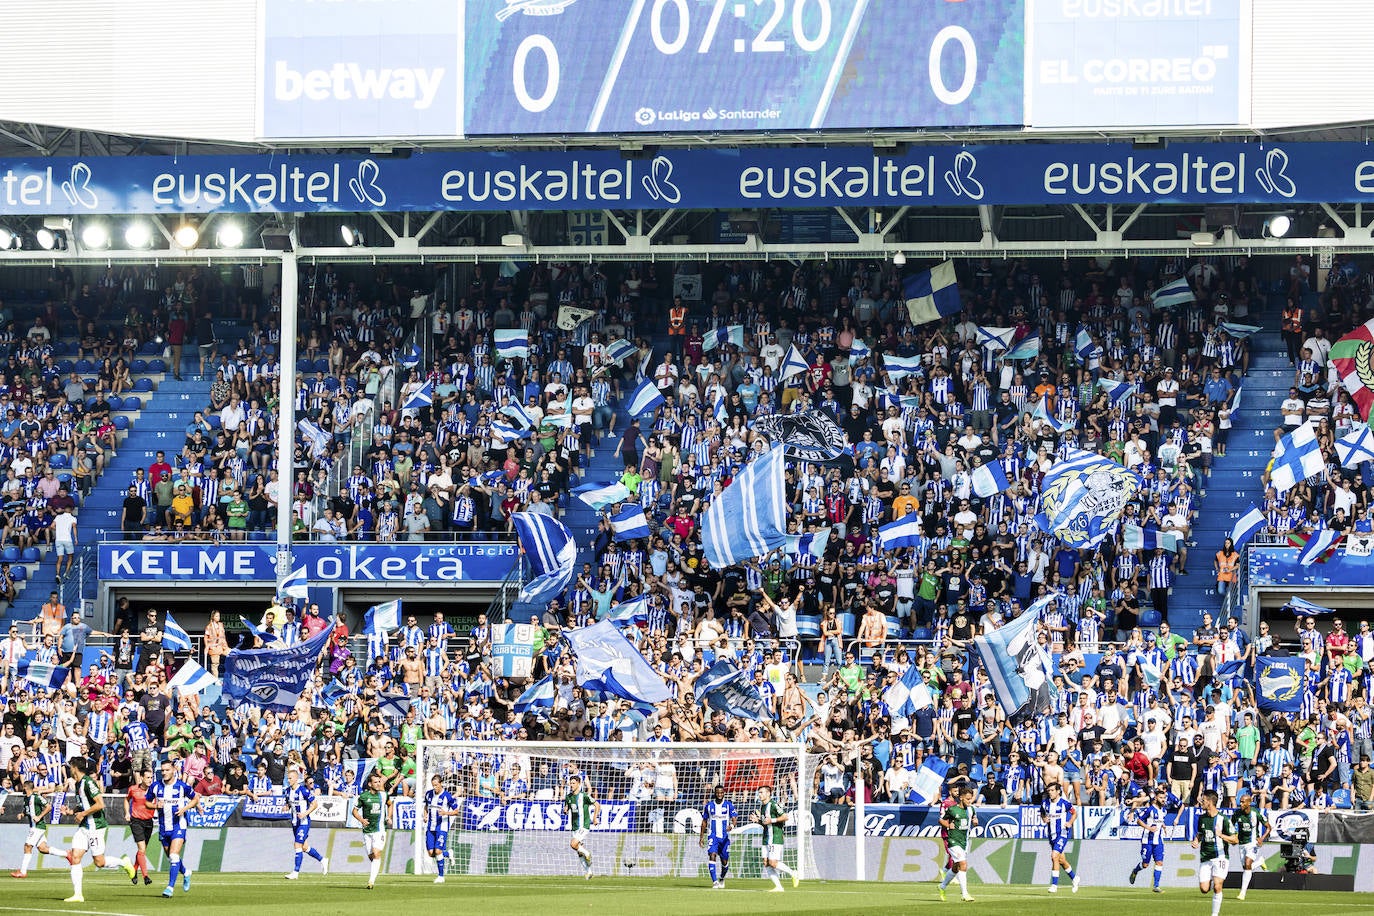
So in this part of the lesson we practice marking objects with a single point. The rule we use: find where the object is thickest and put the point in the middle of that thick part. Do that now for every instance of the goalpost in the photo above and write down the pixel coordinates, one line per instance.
(651, 795)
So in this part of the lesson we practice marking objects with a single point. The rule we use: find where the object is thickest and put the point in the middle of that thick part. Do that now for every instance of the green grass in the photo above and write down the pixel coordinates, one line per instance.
(258, 894)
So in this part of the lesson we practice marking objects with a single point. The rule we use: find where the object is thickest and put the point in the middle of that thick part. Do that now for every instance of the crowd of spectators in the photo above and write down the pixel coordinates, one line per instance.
(1135, 700)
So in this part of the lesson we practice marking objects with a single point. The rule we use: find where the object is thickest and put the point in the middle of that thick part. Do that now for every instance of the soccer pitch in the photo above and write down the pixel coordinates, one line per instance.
(108, 894)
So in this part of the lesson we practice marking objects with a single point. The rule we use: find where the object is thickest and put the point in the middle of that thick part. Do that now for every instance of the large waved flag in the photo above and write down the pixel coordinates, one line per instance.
(1054, 423)
(904, 532)
(192, 678)
(748, 519)
(635, 611)
(1083, 346)
(630, 523)
(1117, 391)
(44, 674)
(512, 343)
(1318, 543)
(174, 637)
(273, 678)
(619, 349)
(1174, 294)
(606, 661)
(989, 479)
(504, 432)
(719, 412)
(260, 634)
(570, 316)
(1299, 457)
(995, 338)
(518, 414)
(1353, 358)
(812, 543)
(420, 397)
(1301, 606)
(1083, 497)
(1247, 526)
(412, 358)
(314, 437)
(793, 364)
(932, 294)
(1355, 446)
(725, 687)
(908, 696)
(552, 552)
(858, 350)
(1238, 330)
(537, 696)
(1019, 668)
(719, 337)
(295, 585)
(930, 780)
(644, 399)
(383, 617)
(1027, 348)
(900, 366)
(1149, 537)
(1279, 683)
(601, 496)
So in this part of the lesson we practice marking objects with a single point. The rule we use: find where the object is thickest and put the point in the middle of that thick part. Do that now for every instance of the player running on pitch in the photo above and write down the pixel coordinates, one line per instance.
(583, 810)
(1058, 812)
(91, 827)
(717, 820)
(1251, 830)
(1210, 842)
(774, 822)
(958, 820)
(171, 798)
(36, 811)
(303, 804)
(440, 805)
(373, 810)
(1150, 817)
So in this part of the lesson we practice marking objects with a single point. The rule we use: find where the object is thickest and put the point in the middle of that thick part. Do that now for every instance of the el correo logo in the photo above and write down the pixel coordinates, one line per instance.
(532, 8)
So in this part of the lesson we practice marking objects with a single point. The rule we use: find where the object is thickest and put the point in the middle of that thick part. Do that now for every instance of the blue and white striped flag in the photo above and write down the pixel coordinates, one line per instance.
(1355, 446)
(904, 532)
(718, 409)
(412, 359)
(44, 674)
(260, 634)
(619, 349)
(813, 543)
(1043, 415)
(601, 496)
(1082, 498)
(989, 479)
(1320, 541)
(295, 585)
(1019, 668)
(792, 364)
(901, 366)
(730, 334)
(1174, 294)
(420, 397)
(644, 399)
(908, 696)
(1149, 537)
(513, 343)
(994, 338)
(1084, 347)
(506, 433)
(314, 437)
(537, 696)
(174, 637)
(1302, 606)
(393, 705)
(1028, 348)
(634, 611)
(1238, 330)
(630, 523)
(518, 414)
(1117, 391)
(926, 788)
(552, 552)
(1247, 526)
(749, 519)
(858, 350)
(382, 618)
(192, 678)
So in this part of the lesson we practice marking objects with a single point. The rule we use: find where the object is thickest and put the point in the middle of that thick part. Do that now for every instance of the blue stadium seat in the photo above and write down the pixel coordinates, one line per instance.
(121, 422)
(133, 402)
(9, 555)
(65, 477)
(214, 421)
(83, 366)
(351, 384)
(138, 366)
(65, 365)
(31, 555)
(143, 385)
(156, 365)
(20, 573)
(304, 365)
(924, 634)
(63, 348)
(1150, 618)
(321, 365)
(60, 460)
(1341, 798)
(894, 627)
(331, 384)
(151, 348)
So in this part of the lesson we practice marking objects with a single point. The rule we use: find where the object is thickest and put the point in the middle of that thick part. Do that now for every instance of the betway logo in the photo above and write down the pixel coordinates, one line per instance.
(346, 81)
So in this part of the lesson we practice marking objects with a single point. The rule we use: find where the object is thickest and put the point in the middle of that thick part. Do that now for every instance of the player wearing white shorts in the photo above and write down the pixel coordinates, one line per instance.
(958, 821)
(36, 811)
(773, 819)
(91, 826)
(1213, 833)
(582, 811)
(1251, 830)
(373, 811)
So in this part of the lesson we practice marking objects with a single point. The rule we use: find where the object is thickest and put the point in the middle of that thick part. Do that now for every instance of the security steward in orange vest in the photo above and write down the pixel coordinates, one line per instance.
(1292, 331)
(677, 325)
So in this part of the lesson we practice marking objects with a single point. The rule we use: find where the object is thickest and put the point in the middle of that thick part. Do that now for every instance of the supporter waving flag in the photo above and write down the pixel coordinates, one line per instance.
(749, 519)
(1083, 497)
(552, 552)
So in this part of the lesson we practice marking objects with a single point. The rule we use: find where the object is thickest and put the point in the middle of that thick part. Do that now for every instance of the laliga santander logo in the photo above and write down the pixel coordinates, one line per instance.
(1273, 175)
(960, 178)
(78, 188)
(658, 183)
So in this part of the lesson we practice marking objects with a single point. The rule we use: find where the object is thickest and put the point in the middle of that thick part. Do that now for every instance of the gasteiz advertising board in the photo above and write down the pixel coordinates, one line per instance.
(1125, 63)
(706, 179)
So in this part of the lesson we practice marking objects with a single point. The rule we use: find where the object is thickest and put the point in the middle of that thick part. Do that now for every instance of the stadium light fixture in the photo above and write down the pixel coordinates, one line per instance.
(352, 236)
(95, 236)
(50, 239)
(9, 239)
(229, 235)
(186, 236)
(1276, 227)
(138, 234)
(899, 259)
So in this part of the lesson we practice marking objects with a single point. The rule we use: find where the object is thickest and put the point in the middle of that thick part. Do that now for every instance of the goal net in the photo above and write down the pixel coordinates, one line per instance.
(512, 817)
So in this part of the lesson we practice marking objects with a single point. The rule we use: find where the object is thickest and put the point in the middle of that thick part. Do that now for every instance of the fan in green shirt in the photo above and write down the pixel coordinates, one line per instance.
(773, 819)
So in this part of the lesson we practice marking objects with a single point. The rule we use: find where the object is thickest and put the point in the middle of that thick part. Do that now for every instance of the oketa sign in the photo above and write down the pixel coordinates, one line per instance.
(325, 564)
(1096, 173)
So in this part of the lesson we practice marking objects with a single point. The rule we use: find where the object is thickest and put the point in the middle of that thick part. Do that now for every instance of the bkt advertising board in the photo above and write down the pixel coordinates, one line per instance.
(324, 563)
(697, 179)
